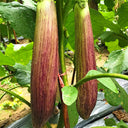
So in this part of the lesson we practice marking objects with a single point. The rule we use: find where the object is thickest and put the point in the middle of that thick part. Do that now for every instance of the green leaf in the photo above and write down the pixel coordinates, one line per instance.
(20, 53)
(70, 26)
(109, 3)
(30, 4)
(122, 124)
(110, 122)
(1, 20)
(115, 99)
(112, 36)
(122, 13)
(20, 17)
(3, 30)
(23, 73)
(2, 71)
(99, 23)
(5, 60)
(107, 82)
(73, 115)
(68, 7)
(102, 6)
(113, 45)
(108, 15)
(117, 61)
(69, 95)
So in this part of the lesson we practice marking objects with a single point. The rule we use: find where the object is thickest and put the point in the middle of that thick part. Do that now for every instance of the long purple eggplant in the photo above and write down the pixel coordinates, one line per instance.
(44, 63)
(84, 59)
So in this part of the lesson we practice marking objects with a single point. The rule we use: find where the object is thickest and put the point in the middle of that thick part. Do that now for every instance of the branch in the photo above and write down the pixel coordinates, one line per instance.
(64, 110)
(87, 78)
(5, 77)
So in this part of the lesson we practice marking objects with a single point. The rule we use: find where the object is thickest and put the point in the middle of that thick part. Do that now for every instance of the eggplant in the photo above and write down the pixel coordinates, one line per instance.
(84, 59)
(44, 70)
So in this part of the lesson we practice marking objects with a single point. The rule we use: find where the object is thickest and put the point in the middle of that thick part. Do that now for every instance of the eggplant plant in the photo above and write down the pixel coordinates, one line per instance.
(48, 65)
(84, 62)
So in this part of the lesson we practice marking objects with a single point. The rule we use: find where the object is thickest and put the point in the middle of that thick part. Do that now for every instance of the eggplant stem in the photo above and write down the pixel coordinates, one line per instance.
(112, 75)
(64, 106)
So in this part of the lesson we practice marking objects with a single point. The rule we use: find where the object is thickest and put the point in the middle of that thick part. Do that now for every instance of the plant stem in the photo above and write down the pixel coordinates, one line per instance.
(87, 78)
(9, 32)
(15, 36)
(73, 76)
(9, 90)
(5, 77)
(16, 95)
(64, 110)
(64, 113)
(59, 5)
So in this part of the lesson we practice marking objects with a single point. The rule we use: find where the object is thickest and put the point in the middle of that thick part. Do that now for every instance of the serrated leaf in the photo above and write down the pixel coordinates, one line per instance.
(113, 45)
(20, 53)
(107, 82)
(122, 13)
(2, 71)
(73, 115)
(117, 61)
(20, 17)
(23, 73)
(116, 99)
(5, 60)
(69, 95)
(110, 122)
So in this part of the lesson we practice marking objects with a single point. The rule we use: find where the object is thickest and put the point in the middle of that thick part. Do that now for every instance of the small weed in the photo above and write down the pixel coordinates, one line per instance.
(10, 104)
(13, 102)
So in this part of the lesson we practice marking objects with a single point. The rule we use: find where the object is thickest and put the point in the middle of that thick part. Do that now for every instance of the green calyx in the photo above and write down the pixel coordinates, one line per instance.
(82, 3)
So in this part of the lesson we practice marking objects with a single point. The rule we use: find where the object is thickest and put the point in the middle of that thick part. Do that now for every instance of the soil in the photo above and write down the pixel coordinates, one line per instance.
(121, 115)
(9, 116)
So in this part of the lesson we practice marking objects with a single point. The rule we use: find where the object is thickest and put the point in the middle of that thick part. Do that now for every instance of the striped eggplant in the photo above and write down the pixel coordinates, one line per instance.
(44, 63)
(84, 59)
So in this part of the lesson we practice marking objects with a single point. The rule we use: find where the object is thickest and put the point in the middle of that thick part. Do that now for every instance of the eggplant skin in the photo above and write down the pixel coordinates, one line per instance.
(44, 63)
(84, 61)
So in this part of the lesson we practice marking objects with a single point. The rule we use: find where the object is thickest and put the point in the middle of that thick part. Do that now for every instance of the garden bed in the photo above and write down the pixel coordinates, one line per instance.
(9, 116)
